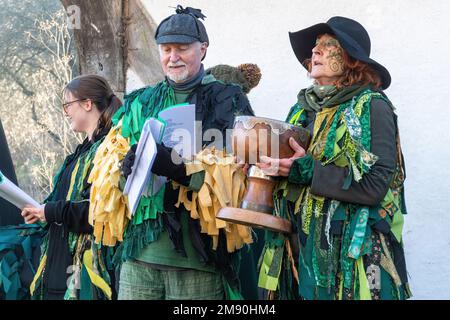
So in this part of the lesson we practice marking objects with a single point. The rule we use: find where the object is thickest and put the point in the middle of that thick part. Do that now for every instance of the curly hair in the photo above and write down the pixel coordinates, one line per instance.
(355, 72)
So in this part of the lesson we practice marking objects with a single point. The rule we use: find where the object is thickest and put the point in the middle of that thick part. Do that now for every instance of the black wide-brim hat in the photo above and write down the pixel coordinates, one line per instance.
(352, 36)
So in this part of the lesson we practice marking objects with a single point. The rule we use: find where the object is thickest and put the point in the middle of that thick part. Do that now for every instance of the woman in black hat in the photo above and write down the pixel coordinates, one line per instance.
(345, 193)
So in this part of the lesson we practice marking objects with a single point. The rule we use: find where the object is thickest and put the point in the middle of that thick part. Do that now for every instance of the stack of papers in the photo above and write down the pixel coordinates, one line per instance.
(141, 180)
(175, 128)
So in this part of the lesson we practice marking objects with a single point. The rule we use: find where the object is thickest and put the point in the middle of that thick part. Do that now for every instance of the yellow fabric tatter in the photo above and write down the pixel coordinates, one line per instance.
(364, 291)
(340, 161)
(363, 100)
(224, 186)
(319, 201)
(192, 168)
(296, 117)
(292, 260)
(323, 122)
(38, 274)
(388, 263)
(72, 180)
(299, 200)
(341, 288)
(310, 204)
(108, 212)
(391, 203)
(307, 212)
(266, 280)
(95, 278)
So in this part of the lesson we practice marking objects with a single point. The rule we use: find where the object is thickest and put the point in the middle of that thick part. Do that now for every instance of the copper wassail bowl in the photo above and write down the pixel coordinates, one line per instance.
(254, 137)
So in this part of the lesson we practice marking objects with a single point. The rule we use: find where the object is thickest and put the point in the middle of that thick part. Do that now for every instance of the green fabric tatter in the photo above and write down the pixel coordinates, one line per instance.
(353, 145)
(364, 118)
(197, 180)
(331, 137)
(297, 116)
(136, 238)
(270, 268)
(142, 105)
(347, 263)
(354, 250)
(270, 261)
(363, 157)
(321, 258)
(17, 244)
(307, 211)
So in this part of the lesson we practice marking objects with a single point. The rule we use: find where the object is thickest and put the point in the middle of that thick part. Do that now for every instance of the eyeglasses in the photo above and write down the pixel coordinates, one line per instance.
(67, 104)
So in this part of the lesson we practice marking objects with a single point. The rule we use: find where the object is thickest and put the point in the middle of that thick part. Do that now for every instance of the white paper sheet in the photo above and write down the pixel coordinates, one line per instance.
(180, 131)
(141, 178)
(13, 194)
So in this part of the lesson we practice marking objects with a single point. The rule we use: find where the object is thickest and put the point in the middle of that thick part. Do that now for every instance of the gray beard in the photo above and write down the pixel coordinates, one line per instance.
(178, 78)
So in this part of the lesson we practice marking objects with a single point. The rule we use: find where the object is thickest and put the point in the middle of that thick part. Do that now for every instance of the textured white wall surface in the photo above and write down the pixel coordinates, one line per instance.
(410, 38)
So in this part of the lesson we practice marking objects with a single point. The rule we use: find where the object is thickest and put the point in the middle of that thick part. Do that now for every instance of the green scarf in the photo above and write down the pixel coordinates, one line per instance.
(315, 98)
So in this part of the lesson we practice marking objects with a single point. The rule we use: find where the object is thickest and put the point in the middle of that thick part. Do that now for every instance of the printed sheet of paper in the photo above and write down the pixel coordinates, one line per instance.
(13, 194)
(180, 130)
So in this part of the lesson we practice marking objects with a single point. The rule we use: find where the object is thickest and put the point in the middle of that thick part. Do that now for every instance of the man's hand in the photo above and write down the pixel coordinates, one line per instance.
(281, 167)
(128, 161)
(168, 163)
(33, 215)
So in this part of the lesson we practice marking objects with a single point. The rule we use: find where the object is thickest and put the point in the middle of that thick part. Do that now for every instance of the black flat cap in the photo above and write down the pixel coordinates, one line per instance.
(182, 27)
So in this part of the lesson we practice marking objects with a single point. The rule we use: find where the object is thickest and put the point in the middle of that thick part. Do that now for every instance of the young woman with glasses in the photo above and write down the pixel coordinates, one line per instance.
(69, 259)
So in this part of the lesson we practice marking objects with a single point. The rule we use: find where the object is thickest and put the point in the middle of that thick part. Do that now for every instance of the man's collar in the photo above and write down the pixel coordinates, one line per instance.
(189, 84)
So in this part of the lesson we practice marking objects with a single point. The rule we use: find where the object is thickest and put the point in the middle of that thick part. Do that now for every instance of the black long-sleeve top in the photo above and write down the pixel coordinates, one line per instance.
(63, 217)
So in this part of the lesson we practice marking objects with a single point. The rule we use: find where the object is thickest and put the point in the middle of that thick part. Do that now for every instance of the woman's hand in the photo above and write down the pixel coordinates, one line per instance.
(281, 167)
(33, 215)
(244, 166)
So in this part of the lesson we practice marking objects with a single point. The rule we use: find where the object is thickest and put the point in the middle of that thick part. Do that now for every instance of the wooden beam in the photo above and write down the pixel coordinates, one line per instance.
(100, 40)
(115, 36)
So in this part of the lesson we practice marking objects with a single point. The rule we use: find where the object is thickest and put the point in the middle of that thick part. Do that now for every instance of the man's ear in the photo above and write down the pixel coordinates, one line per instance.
(203, 49)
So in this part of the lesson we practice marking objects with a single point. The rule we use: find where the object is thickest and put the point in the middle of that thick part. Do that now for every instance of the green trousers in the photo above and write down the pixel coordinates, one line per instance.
(141, 281)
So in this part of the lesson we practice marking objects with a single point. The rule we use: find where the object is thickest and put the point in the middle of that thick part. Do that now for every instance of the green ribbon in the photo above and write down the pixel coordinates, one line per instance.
(362, 216)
